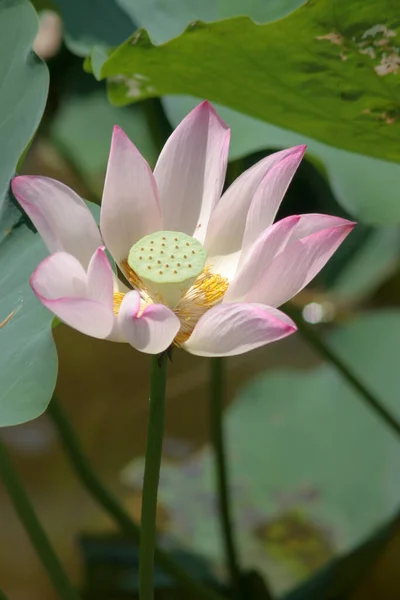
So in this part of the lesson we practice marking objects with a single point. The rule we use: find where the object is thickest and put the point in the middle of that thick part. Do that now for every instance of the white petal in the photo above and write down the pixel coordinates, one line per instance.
(227, 223)
(235, 328)
(261, 253)
(100, 279)
(130, 206)
(60, 284)
(153, 331)
(297, 265)
(61, 217)
(190, 171)
(269, 195)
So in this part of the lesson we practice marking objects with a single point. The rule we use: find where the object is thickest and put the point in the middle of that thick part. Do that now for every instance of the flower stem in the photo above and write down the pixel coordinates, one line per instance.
(112, 506)
(329, 355)
(155, 433)
(37, 535)
(216, 404)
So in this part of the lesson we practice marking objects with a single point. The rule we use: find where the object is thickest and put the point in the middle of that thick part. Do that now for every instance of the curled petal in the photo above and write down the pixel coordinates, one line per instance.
(61, 217)
(228, 220)
(190, 171)
(235, 328)
(269, 195)
(151, 331)
(60, 283)
(130, 207)
(297, 265)
(262, 252)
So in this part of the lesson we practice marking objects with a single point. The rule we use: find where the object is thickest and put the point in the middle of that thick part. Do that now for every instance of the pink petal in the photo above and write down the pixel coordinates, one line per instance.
(60, 284)
(313, 222)
(61, 217)
(297, 265)
(130, 206)
(235, 328)
(269, 195)
(100, 279)
(228, 220)
(190, 171)
(153, 331)
(261, 253)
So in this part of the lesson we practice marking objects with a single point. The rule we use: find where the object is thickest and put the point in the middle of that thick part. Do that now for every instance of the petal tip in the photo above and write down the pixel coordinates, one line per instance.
(119, 132)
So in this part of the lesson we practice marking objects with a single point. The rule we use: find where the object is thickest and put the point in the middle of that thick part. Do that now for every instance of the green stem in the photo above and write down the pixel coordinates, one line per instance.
(37, 535)
(3, 596)
(155, 433)
(329, 355)
(111, 505)
(216, 406)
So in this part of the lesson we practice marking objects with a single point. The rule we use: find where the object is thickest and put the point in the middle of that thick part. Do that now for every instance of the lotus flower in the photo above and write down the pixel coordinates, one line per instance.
(202, 271)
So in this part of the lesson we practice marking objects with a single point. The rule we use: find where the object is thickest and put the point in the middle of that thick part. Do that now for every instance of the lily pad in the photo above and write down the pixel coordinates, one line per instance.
(326, 71)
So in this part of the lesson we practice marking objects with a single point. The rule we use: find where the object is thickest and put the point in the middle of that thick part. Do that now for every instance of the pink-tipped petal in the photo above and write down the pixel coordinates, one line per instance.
(269, 195)
(130, 206)
(151, 331)
(100, 279)
(228, 220)
(60, 284)
(235, 328)
(190, 171)
(61, 217)
(297, 265)
(262, 252)
(312, 223)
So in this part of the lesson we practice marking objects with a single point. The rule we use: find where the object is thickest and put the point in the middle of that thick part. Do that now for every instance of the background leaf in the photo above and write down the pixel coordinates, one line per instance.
(311, 72)
(83, 127)
(93, 22)
(165, 20)
(313, 470)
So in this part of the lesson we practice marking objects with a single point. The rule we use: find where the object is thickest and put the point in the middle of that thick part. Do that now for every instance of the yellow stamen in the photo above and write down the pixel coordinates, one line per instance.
(118, 297)
(207, 291)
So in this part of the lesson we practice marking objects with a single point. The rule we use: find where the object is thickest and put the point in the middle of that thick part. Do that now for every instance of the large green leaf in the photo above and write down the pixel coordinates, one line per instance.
(328, 71)
(366, 187)
(28, 367)
(23, 85)
(314, 471)
(165, 20)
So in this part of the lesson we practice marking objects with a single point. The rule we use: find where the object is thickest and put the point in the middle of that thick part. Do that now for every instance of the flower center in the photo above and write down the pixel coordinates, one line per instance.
(168, 263)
